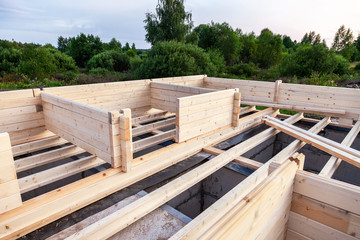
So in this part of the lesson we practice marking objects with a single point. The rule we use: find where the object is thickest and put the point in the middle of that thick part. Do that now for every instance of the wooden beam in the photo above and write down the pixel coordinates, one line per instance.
(37, 145)
(315, 230)
(299, 108)
(334, 162)
(126, 145)
(333, 192)
(236, 108)
(241, 160)
(344, 221)
(296, 145)
(142, 129)
(10, 197)
(247, 109)
(40, 159)
(153, 140)
(350, 155)
(277, 90)
(54, 174)
(151, 117)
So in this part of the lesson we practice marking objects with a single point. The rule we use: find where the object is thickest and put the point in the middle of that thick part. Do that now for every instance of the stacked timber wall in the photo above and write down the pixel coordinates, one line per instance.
(341, 102)
(200, 114)
(323, 207)
(9, 187)
(22, 117)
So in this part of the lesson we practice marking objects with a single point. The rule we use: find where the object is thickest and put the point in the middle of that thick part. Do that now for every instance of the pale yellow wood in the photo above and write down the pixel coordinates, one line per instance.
(277, 90)
(333, 192)
(152, 126)
(347, 154)
(9, 203)
(153, 140)
(236, 108)
(126, 144)
(118, 220)
(9, 187)
(292, 235)
(54, 174)
(82, 109)
(334, 162)
(296, 145)
(241, 160)
(203, 103)
(326, 214)
(151, 117)
(29, 162)
(56, 204)
(37, 145)
(315, 230)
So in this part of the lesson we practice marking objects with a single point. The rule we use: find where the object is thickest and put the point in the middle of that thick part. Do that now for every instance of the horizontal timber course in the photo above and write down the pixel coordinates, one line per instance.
(206, 112)
(334, 101)
(323, 207)
(21, 116)
(9, 187)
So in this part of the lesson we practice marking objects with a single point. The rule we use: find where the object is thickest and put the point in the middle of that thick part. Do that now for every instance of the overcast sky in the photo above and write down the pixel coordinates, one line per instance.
(41, 21)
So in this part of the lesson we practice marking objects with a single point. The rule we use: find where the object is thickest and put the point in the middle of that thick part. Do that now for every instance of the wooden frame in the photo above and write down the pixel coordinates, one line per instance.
(106, 123)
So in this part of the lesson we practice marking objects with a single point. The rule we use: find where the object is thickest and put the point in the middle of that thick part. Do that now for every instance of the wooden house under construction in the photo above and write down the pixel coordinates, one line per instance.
(217, 158)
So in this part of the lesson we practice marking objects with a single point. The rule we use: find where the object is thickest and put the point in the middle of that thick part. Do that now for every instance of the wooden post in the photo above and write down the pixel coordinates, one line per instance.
(277, 90)
(10, 197)
(236, 109)
(126, 140)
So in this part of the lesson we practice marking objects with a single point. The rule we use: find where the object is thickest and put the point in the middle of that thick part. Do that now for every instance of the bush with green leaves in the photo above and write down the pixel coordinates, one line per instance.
(9, 59)
(111, 60)
(308, 58)
(166, 59)
(244, 69)
(41, 62)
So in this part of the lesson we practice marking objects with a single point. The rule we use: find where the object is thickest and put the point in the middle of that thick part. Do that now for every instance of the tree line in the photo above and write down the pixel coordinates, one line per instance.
(180, 48)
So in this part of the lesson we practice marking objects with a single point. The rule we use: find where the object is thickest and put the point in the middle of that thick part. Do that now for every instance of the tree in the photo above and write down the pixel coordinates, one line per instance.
(113, 45)
(63, 43)
(82, 47)
(221, 37)
(126, 47)
(249, 47)
(343, 38)
(268, 51)
(357, 43)
(170, 22)
(311, 38)
(287, 42)
(308, 58)
(173, 58)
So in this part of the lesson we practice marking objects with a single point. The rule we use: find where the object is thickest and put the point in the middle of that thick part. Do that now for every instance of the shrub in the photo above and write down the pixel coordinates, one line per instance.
(111, 60)
(308, 58)
(98, 71)
(9, 59)
(167, 59)
(244, 69)
(135, 62)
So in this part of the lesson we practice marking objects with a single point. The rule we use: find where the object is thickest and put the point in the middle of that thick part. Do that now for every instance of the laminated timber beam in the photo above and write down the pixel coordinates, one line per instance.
(296, 145)
(122, 218)
(334, 162)
(37, 145)
(53, 205)
(349, 155)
